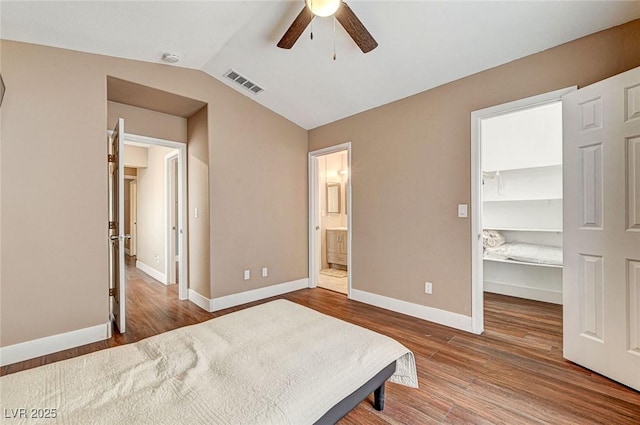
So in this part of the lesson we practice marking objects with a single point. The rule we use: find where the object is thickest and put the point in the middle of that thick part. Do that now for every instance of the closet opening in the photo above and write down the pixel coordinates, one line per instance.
(517, 200)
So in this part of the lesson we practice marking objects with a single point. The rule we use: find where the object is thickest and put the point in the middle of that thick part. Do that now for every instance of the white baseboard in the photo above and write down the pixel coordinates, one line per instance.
(527, 292)
(52, 344)
(159, 276)
(442, 317)
(202, 302)
(233, 300)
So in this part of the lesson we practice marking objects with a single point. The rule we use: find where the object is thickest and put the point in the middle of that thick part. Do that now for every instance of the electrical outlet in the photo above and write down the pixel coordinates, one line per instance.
(428, 288)
(157, 258)
(265, 272)
(247, 274)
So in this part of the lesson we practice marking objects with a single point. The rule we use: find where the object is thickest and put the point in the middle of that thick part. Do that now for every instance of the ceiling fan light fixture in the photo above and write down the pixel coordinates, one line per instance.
(323, 8)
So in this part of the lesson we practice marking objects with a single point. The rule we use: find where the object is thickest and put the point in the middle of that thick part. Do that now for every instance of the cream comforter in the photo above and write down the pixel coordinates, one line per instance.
(277, 363)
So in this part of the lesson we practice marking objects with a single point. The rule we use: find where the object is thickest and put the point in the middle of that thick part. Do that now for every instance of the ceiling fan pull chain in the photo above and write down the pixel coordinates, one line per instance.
(334, 37)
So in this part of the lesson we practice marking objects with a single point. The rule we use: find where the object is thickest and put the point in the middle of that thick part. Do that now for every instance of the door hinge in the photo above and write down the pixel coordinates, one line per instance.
(111, 158)
(113, 225)
(112, 292)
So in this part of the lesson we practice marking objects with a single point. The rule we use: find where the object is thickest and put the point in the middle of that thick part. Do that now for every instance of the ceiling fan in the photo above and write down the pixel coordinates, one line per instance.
(323, 8)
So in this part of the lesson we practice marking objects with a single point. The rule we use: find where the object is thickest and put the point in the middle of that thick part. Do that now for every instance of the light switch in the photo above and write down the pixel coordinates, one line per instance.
(247, 274)
(462, 210)
(195, 212)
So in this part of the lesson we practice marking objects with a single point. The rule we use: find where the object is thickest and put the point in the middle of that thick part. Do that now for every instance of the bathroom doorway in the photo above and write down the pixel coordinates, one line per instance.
(330, 218)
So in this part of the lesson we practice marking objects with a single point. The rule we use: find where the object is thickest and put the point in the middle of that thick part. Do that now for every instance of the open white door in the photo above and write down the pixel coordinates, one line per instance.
(602, 227)
(116, 225)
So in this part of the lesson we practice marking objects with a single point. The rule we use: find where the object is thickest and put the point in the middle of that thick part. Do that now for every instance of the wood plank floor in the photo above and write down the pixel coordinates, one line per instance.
(513, 374)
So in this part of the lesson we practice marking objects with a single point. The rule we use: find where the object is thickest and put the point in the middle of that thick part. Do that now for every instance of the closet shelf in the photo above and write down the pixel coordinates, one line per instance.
(516, 229)
(509, 170)
(524, 263)
(523, 200)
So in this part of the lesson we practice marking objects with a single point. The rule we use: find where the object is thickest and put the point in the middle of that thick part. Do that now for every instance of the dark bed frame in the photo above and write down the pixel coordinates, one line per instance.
(375, 385)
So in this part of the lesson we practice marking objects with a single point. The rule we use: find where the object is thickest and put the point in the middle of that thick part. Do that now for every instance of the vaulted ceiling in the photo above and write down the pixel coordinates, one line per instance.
(422, 44)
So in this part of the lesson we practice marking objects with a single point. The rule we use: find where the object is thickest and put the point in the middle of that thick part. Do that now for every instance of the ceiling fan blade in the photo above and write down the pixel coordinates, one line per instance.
(296, 29)
(355, 29)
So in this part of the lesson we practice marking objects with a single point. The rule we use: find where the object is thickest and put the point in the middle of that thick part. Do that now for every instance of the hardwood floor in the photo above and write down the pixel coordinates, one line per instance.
(512, 374)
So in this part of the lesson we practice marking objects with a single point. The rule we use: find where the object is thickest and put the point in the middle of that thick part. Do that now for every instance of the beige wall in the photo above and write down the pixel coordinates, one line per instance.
(55, 111)
(150, 246)
(128, 171)
(259, 198)
(135, 157)
(411, 161)
(198, 194)
(144, 122)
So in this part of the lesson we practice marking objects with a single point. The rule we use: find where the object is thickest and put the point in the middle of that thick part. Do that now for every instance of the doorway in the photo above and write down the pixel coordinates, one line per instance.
(133, 216)
(330, 218)
(160, 186)
(130, 211)
(516, 171)
(154, 196)
(172, 207)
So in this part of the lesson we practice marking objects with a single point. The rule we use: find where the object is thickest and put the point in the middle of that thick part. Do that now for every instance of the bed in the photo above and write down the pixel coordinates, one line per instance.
(276, 363)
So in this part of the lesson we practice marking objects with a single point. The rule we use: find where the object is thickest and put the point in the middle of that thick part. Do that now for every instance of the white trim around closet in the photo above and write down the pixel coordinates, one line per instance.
(477, 279)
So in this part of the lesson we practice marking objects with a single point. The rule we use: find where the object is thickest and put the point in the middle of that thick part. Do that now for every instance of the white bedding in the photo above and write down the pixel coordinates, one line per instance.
(277, 363)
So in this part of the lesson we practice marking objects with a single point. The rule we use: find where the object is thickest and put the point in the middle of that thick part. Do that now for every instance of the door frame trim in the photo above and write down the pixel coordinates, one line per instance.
(477, 269)
(128, 179)
(133, 216)
(169, 260)
(314, 266)
(145, 141)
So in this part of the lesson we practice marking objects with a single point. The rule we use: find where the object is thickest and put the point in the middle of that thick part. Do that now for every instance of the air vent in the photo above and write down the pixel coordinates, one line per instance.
(243, 81)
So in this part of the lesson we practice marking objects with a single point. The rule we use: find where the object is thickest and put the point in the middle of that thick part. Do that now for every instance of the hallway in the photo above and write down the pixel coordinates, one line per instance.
(153, 307)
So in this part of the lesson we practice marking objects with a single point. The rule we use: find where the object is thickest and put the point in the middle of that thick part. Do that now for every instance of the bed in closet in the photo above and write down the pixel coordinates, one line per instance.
(276, 363)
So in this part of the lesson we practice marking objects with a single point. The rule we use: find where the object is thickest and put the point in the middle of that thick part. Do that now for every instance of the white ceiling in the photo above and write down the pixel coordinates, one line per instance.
(422, 44)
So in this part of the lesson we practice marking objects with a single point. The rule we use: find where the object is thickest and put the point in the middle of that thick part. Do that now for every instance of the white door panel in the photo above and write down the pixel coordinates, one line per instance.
(116, 220)
(601, 227)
